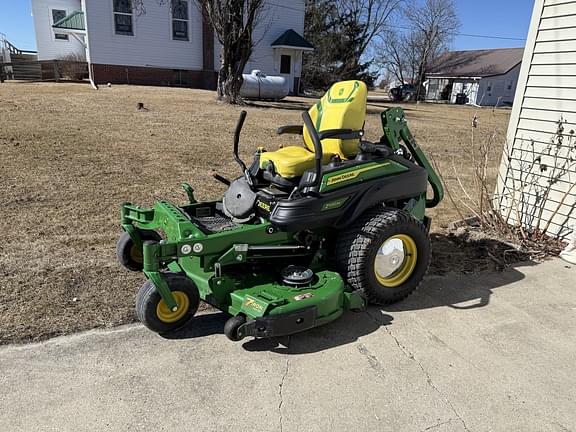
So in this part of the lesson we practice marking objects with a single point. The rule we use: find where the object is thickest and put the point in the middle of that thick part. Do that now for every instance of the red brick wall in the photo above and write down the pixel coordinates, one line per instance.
(115, 74)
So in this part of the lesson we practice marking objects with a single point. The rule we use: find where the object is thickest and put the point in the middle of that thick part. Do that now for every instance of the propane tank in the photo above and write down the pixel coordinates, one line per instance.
(258, 85)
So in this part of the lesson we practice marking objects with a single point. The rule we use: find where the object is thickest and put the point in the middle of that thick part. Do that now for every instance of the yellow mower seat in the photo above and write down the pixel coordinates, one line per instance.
(292, 161)
(343, 106)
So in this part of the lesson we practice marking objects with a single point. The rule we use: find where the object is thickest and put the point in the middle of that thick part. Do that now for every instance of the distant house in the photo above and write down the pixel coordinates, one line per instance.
(537, 178)
(479, 77)
(164, 45)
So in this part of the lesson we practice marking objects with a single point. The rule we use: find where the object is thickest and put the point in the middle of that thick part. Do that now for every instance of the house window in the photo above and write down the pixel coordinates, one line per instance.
(285, 64)
(123, 17)
(180, 20)
(57, 15)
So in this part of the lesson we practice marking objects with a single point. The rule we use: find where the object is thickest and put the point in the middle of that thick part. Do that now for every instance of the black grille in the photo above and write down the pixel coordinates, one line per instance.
(214, 224)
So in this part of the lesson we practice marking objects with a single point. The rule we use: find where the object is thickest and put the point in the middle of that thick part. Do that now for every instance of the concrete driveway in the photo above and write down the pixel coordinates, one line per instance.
(489, 352)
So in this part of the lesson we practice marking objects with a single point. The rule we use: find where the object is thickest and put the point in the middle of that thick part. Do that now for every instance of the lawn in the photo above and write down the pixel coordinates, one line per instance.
(70, 156)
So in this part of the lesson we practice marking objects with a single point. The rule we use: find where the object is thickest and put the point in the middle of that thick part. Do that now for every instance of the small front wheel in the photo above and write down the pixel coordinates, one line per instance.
(232, 328)
(154, 313)
(129, 254)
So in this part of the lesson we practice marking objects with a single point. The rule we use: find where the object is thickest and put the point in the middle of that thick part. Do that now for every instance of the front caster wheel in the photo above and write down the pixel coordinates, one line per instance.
(232, 328)
(155, 314)
(130, 255)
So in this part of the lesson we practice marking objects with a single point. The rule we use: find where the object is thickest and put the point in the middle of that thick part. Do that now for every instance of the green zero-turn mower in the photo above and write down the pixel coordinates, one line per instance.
(305, 233)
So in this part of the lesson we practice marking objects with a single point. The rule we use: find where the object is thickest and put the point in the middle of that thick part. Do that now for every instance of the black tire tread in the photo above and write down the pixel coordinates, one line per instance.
(124, 244)
(231, 328)
(353, 243)
(147, 299)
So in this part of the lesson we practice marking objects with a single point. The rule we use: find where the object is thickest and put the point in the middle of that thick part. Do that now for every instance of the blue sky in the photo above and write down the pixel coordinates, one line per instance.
(504, 18)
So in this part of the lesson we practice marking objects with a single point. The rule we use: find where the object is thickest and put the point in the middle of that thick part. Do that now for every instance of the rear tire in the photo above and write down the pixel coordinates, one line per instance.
(128, 254)
(153, 312)
(371, 246)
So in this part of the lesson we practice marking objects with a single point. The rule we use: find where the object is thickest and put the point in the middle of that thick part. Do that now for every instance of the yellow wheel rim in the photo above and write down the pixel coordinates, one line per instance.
(395, 260)
(136, 254)
(166, 315)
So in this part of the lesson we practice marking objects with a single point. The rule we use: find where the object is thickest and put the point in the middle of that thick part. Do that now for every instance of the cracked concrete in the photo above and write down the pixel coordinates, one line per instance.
(281, 388)
(429, 380)
(489, 352)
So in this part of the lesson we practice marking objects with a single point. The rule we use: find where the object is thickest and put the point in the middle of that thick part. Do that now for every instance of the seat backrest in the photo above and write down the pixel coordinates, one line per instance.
(342, 107)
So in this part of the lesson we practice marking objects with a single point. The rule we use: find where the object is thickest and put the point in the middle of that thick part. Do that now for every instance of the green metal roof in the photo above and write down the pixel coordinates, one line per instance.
(74, 21)
(292, 39)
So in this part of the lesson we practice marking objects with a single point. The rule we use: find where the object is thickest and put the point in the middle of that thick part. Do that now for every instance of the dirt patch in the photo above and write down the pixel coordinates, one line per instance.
(70, 156)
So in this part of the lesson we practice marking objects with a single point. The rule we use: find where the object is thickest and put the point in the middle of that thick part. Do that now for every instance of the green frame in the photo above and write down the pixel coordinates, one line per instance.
(210, 260)
(396, 129)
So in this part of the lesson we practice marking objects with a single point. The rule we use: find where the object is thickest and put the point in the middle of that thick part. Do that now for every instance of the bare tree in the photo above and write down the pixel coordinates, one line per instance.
(233, 22)
(408, 51)
(433, 26)
(395, 54)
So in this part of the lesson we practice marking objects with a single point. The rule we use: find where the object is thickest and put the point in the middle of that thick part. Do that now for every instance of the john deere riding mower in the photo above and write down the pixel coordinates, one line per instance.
(303, 234)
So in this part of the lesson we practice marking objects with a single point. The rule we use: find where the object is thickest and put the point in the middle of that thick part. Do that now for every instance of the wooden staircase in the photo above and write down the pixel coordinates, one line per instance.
(26, 67)
(18, 64)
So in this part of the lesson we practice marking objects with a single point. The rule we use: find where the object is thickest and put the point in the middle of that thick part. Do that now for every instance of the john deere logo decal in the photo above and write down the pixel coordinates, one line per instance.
(342, 98)
(342, 177)
(351, 174)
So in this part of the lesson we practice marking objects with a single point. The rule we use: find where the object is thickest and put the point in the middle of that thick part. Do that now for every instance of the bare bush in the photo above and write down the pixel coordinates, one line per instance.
(519, 212)
(72, 67)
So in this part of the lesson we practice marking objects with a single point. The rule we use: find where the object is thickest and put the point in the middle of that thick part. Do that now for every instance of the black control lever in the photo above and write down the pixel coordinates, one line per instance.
(236, 143)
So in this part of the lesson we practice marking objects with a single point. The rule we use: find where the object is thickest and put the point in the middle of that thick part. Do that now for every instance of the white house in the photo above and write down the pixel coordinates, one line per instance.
(537, 179)
(483, 77)
(169, 43)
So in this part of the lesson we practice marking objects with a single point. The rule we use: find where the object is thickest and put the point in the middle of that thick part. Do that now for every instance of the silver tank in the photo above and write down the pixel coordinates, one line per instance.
(258, 85)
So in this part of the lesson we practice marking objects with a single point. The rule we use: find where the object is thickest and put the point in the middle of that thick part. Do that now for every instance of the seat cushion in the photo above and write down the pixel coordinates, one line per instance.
(290, 162)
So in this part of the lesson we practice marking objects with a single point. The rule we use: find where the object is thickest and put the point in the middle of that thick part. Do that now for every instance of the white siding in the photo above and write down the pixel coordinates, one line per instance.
(152, 43)
(502, 87)
(48, 47)
(537, 179)
(276, 18)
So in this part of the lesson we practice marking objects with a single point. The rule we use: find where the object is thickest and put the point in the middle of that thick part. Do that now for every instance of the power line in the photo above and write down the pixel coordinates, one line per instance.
(411, 28)
(490, 37)
(466, 34)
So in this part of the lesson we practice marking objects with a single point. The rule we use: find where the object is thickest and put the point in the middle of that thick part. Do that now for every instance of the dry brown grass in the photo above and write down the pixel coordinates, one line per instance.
(70, 156)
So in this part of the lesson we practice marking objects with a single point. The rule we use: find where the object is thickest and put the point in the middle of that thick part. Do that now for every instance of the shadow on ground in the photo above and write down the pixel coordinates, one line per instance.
(459, 290)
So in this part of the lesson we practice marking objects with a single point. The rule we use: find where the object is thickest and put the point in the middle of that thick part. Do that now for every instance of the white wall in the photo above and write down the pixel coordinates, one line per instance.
(152, 43)
(276, 18)
(48, 47)
(536, 152)
(500, 92)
